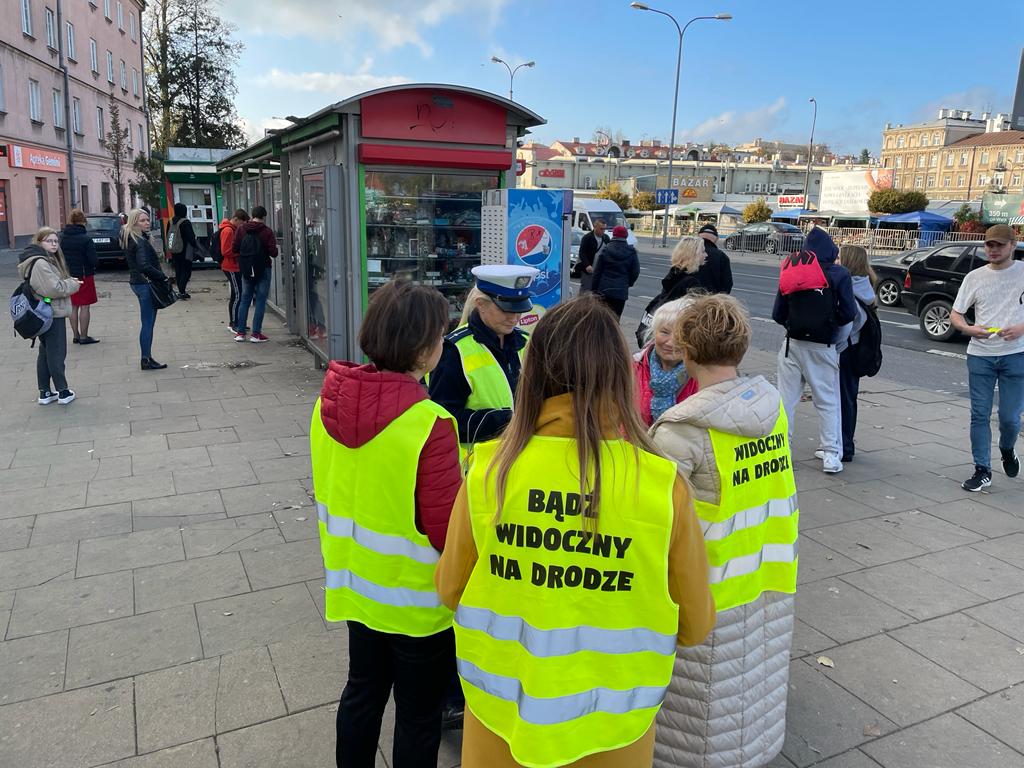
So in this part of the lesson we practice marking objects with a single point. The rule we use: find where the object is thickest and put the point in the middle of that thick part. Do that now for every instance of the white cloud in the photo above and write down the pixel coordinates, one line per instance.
(391, 23)
(256, 129)
(732, 127)
(338, 85)
(977, 99)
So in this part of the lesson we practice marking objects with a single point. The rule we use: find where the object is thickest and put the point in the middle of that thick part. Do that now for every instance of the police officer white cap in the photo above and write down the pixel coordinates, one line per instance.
(507, 285)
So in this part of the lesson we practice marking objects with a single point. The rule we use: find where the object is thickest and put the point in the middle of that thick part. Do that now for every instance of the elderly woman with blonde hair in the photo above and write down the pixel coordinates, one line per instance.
(661, 377)
(687, 258)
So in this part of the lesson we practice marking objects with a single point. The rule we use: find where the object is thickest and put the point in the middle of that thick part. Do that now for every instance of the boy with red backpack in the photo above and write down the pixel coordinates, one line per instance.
(255, 246)
(815, 300)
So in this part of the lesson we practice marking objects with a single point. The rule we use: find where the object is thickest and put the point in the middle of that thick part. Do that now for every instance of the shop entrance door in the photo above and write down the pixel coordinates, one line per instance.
(199, 200)
(323, 275)
(5, 233)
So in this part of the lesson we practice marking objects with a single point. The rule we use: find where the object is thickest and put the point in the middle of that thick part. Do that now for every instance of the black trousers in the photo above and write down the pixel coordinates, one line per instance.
(616, 305)
(53, 349)
(182, 271)
(419, 669)
(849, 388)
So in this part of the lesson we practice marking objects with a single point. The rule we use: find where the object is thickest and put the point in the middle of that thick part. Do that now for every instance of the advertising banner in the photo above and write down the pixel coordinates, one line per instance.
(848, 191)
(790, 201)
(1005, 208)
(535, 240)
(36, 159)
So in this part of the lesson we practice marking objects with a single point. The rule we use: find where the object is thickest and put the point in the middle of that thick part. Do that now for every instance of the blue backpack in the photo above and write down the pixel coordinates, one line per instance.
(32, 316)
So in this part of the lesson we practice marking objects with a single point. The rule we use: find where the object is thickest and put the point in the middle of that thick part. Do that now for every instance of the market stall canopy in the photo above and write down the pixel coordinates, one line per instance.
(791, 213)
(925, 221)
(696, 209)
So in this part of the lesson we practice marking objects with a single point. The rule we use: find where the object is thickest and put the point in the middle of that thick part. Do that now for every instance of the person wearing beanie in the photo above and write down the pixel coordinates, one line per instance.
(812, 362)
(182, 261)
(616, 269)
(715, 273)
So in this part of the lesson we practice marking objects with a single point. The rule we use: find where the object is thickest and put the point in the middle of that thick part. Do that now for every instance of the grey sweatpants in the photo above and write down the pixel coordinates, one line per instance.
(818, 365)
(53, 348)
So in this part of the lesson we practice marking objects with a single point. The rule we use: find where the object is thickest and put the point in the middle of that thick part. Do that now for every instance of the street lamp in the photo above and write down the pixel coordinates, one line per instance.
(512, 72)
(810, 154)
(675, 93)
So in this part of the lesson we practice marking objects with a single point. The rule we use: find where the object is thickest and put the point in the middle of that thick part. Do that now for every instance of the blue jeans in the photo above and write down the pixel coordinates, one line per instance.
(147, 310)
(254, 292)
(983, 373)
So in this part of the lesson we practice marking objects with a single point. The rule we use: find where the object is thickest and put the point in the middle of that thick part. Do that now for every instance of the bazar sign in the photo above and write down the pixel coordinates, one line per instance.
(36, 159)
(790, 201)
(1002, 208)
(552, 173)
(848, 191)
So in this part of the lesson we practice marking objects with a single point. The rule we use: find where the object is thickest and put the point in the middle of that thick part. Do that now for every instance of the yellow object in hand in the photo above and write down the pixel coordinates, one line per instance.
(993, 330)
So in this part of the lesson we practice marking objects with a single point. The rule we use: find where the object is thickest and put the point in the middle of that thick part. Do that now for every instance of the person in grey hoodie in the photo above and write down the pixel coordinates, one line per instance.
(856, 261)
(43, 265)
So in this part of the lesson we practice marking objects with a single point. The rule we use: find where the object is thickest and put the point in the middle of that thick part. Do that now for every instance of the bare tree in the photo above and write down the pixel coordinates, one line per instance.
(116, 144)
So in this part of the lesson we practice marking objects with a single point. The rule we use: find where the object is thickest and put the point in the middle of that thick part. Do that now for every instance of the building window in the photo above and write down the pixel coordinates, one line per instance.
(41, 202)
(69, 29)
(936, 138)
(931, 179)
(934, 161)
(920, 161)
(888, 143)
(899, 161)
(984, 158)
(949, 159)
(99, 123)
(142, 141)
(997, 178)
(918, 181)
(947, 180)
(131, 27)
(982, 180)
(120, 16)
(963, 158)
(961, 181)
(1001, 157)
(896, 182)
(124, 77)
(106, 9)
(110, 67)
(1015, 180)
(26, 17)
(924, 140)
(51, 28)
(135, 83)
(84, 200)
(128, 137)
(3, 100)
(1018, 156)
(885, 162)
(104, 194)
(901, 142)
(58, 109)
(35, 107)
(94, 56)
(76, 116)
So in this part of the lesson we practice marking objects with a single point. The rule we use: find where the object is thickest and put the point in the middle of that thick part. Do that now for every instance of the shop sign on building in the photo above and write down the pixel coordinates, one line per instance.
(848, 191)
(1004, 208)
(790, 201)
(694, 188)
(552, 173)
(423, 114)
(34, 159)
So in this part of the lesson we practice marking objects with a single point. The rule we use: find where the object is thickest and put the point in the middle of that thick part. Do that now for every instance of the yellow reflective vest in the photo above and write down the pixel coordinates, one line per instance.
(379, 569)
(566, 635)
(751, 534)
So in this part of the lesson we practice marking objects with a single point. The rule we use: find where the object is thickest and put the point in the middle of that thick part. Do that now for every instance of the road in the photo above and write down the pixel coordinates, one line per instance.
(909, 356)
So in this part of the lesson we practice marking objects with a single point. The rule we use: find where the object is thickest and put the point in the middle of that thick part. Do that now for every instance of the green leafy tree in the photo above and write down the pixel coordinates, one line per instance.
(865, 157)
(149, 174)
(644, 201)
(757, 211)
(897, 201)
(615, 193)
(967, 220)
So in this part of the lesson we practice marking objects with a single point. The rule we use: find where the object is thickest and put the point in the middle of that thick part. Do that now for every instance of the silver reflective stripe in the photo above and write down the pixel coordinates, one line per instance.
(381, 543)
(749, 518)
(400, 596)
(561, 709)
(741, 566)
(562, 642)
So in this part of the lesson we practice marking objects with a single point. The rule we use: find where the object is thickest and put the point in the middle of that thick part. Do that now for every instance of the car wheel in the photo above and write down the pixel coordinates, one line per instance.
(888, 292)
(935, 320)
(730, 244)
(771, 246)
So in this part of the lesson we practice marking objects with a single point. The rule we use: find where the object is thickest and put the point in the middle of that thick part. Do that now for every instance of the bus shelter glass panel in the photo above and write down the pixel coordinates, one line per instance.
(314, 209)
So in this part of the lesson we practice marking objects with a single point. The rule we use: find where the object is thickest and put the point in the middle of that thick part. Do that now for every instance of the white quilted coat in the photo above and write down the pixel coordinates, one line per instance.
(726, 704)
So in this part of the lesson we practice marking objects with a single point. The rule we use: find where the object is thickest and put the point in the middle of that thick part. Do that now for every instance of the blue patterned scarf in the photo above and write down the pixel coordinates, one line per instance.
(665, 385)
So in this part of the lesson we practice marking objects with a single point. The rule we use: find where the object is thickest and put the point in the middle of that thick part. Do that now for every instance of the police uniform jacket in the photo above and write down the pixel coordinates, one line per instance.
(450, 389)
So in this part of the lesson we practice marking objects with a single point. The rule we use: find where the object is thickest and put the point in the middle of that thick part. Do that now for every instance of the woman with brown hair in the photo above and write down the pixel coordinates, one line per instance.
(855, 259)
(43, 265)
(574, 562)
(80, 254)
(385, 473)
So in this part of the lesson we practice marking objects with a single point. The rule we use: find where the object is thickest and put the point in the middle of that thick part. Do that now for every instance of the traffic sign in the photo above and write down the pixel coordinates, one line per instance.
(666, 197)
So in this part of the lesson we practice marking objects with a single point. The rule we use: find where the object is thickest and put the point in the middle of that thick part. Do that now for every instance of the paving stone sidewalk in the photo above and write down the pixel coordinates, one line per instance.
(160, 579)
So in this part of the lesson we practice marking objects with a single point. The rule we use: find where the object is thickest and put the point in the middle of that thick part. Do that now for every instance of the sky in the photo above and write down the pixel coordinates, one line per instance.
(601, 64)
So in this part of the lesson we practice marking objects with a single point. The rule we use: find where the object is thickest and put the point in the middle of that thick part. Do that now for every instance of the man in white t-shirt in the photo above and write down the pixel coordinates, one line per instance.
(995, 353)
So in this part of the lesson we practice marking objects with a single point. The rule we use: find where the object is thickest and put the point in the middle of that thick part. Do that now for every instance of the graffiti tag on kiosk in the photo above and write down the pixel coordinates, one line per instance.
(425, 114)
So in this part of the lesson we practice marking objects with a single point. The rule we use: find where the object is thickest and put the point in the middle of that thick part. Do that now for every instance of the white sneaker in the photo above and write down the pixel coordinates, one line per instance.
(831, 464)
(819, 454)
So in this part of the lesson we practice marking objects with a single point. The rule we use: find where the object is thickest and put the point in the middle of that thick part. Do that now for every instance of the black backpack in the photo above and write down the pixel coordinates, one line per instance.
(252, 255)
(867, 352)
(215, 245)
(812, 315)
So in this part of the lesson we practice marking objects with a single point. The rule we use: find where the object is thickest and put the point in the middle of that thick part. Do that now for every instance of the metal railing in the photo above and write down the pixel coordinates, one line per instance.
(880, 241)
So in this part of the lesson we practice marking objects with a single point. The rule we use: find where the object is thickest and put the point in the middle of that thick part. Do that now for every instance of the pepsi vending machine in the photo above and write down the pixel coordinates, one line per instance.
(530, 227)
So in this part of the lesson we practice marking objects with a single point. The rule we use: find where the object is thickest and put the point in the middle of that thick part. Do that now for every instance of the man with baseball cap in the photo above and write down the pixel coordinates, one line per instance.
(715, 274)
(995, 354)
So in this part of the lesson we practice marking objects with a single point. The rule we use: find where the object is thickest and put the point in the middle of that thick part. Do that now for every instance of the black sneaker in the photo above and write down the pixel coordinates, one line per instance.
(65, 396)
(46, 397)
(1011, 464)
(982, 478)
(452, 716)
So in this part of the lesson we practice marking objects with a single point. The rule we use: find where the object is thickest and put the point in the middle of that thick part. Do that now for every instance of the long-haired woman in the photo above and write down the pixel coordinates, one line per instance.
(574, 562)
(143, 269)
(855, 259)
(80, 254)
(687, 258)
(43, 265)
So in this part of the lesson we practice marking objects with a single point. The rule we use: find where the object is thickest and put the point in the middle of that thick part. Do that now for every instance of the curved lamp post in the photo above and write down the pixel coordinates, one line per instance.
(512, 71)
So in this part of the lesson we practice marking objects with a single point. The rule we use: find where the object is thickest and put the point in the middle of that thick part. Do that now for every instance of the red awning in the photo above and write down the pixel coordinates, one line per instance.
(403, 154)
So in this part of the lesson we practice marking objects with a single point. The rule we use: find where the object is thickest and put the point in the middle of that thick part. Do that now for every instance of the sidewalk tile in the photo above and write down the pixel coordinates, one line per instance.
(5, 618)
(865, 543)
(297, 740)
(978, 517)
(294, 446)
(298, 524)
(912, 590)
(213, 478)
(1000, 715)
(975, 571)
(164, 426)
(936, 455)
(130, 488)
(202, 503)
(198, 754)
(22, 478)
(65, 455)
(780, 761)
(311, 670)
(283, 564)
(176, 459)
(197, 408)
(852, 759)
(37, 565)
(85, 523)
(188, 582)
(130, 646)
(1009, 549)
(15, 532)
(922, 689)
(202, 541)
(826, 506)
(150, 523)
(218, 419)
(975, 652)
(177, 705)
(822, 719)
(255, 430)
(264, 497)
(1002, 494)
(250, 450)
(880, 496)
(807, 640)
(71, 603)
(205, 437)
(128, 446)
(1005, 615)
(33, 666)
(316, 591)
(262, 538)
(845, 613)
(259, 618)
(946, 742)
(929, 533)
(287, 468)
(929, 487)
(70, 495)
(248, 692)
(129, 550)
(258, 403)
(78, 728)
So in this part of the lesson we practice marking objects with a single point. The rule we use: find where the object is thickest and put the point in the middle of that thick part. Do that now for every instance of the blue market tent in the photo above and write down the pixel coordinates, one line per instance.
(930, 225)
(790, 213)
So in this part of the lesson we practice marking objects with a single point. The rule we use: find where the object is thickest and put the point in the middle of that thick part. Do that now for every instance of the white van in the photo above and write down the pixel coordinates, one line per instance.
(586, 209)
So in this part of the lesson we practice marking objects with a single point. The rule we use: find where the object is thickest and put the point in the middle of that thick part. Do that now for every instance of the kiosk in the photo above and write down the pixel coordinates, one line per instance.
(386, 184)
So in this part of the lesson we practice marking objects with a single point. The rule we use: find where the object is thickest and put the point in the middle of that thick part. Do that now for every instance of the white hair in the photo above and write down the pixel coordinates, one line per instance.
(667, 314)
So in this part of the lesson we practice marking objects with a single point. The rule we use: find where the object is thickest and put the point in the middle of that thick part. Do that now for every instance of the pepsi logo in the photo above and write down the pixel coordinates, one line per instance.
(533, 244)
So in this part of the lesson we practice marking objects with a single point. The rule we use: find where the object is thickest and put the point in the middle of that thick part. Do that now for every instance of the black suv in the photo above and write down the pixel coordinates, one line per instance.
(931, 284)
(105, 231)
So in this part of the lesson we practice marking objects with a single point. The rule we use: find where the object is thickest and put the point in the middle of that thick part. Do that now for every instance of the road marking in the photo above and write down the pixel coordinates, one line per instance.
(760, 277)
(763, 319)
(947, 353)
(751, 290)
(898, 325)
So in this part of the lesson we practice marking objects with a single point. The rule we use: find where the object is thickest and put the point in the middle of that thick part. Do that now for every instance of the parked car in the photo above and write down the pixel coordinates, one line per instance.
(574, 249)
(105, 231)
(931, 284)
(891, 270)
(768, 236)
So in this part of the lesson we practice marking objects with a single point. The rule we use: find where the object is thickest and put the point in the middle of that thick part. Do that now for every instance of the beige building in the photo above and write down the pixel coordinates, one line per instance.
(955, 157)
(101, 43)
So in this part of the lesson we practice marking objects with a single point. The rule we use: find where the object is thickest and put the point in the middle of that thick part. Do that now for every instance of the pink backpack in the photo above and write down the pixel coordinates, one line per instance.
(801, 272)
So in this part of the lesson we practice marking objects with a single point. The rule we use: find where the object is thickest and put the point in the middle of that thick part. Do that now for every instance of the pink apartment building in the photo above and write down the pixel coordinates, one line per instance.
(100, 41)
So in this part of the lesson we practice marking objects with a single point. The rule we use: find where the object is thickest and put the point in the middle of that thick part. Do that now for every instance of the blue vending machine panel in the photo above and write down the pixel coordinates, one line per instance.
(535, 239)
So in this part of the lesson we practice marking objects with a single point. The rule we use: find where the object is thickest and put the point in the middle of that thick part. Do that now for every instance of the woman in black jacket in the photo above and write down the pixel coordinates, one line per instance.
(183, 261)
(80, 255)
(687, 257)
(143, 269)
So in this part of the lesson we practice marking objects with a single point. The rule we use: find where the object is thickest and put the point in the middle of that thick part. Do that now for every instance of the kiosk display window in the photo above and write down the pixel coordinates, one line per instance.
(424, 226)
(315, 209)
